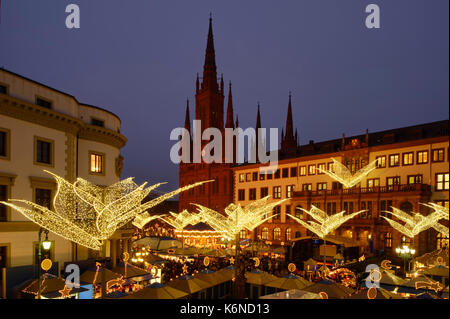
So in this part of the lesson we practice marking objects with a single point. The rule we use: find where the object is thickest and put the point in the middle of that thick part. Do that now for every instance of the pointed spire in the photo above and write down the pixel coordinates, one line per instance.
(187, 121)
(237, 121)
(197, 84)
(209, 68)
(289, 122)
(229, 123)
(258, 119)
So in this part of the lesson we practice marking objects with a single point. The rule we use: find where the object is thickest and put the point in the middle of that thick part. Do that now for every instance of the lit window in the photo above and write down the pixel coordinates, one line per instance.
(441, 241)
(373, 182)
(415, 179)
(288, 234)
(388, 240)
(265, 233)
(302, 170)
(241, 178)
(311, 169)
(394, 160)
(248, 177)
(289, 190)
(321, 186)
(277, 234)
(96, 163)
(438, 155)
(277, 192)
(381, 161)
(321, 168)
(442, 181)
(422, 157)
(408, 158)
(307, 187)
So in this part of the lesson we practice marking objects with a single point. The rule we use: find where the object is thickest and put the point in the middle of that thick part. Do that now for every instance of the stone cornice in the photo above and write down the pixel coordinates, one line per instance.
(36, 114)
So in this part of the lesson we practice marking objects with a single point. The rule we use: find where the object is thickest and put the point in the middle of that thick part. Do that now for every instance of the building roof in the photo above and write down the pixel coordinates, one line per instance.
(392, 136)
(64, 93)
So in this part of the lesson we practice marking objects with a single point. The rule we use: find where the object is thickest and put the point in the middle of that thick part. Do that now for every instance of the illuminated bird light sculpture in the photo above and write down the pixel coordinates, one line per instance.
(325, 223)
(343, 175)
(444, 213)
(415, 223)
(86, 213)
(238, 218)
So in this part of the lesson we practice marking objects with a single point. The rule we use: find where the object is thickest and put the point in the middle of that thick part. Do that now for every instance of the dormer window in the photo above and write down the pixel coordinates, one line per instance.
(98, 122)
(44, 103)
(3, 89)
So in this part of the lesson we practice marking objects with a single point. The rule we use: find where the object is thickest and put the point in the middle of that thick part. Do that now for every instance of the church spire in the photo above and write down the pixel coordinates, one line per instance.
(230, 117)
(289, 123)
(209, 68)
(187, 121)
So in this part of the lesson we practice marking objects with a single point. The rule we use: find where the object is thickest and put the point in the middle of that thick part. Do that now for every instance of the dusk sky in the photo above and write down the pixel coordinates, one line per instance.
(139, 59)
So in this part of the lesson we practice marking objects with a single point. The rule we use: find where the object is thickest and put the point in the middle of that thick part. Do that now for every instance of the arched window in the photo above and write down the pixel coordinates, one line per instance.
(388, 240)
(277, 234)
(406, 206)
(265, 233)
(405, 241)
(288, 234)
(441, 241)
(298, 212)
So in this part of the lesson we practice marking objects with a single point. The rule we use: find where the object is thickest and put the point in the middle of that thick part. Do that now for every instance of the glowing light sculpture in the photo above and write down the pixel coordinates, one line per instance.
(444, 213)
(86, 213)
(181, 220)
(415, 223)
(237, 218)
(325, 223)
(343, 175)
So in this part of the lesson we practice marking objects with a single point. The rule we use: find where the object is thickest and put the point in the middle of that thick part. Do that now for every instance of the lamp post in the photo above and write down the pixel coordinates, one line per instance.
(46, 244)
(405, 252)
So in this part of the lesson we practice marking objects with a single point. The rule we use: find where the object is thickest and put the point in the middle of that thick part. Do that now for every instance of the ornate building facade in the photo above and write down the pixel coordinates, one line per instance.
(412, 169)
(42, 128)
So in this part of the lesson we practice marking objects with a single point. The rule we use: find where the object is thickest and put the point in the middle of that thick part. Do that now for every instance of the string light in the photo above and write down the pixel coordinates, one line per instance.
(343, 175)
(88, 214)
(444, 214)
(325, 223)
(237, 218)
(415, 223)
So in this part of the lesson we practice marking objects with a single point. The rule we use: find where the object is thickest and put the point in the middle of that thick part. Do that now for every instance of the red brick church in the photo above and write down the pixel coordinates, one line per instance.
(209, 108)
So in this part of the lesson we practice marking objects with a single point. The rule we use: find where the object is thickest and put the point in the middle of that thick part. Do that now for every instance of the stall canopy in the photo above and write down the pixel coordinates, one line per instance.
(439, 271)
(189, 284)
(332, 289)
(289, 282)
(157, 291)
(311, 263)
(212, 277)
(434, 258)
(388, 278)
(292, 294)
(381, 294)
(132, 272)
(159, 243)
(50, 286)
(258, 277)
(89, 275)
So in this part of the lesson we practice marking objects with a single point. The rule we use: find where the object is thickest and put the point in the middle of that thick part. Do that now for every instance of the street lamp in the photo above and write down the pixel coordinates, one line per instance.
(405, 252)
(46, 244)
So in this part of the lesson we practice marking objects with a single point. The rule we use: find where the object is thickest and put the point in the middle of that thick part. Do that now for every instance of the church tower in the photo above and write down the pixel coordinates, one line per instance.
(209, 109)
(289, 141)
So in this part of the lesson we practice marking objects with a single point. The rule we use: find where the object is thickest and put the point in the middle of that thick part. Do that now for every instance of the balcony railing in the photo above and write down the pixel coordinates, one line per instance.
(419, 188)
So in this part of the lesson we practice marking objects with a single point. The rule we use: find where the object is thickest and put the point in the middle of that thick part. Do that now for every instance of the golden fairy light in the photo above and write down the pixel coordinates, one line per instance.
(237, 218)
(181, 220)
(415, 223)
(325, 223)
(444, 214)
(343, 175)
(88, 214)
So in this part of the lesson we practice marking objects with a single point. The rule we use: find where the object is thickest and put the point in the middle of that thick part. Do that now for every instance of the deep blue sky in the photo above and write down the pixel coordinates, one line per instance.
(139, 59)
